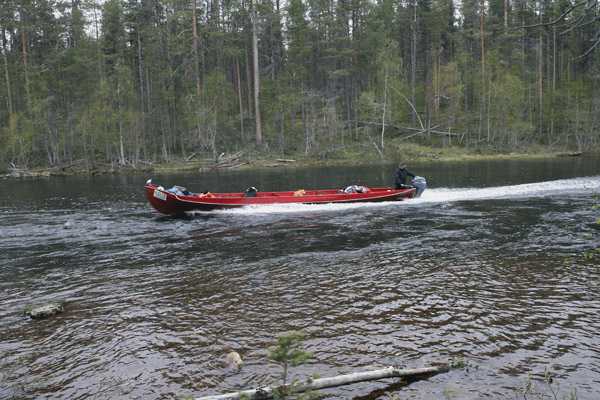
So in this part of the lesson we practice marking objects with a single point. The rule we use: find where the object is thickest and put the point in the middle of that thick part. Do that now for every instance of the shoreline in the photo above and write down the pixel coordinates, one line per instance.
(258, 163)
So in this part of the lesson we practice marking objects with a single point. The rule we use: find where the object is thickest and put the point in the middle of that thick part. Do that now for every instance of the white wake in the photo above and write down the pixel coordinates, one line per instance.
(526, 190)
(442, 195)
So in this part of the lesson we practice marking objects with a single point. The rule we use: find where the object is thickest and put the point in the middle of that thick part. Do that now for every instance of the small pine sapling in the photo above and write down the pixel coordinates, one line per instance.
(288, 353)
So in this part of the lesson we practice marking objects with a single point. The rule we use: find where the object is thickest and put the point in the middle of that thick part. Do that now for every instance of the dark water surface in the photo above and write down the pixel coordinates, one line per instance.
(474, 269)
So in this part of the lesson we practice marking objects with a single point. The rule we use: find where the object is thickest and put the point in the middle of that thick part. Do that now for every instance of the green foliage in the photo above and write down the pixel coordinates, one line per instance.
(20, 139)
(299, 41)
(288, 353)
(459, 362)
(189, 397)
(13, 380)
(547, 390)
(450, 394)
(506, 113)
(150, 85)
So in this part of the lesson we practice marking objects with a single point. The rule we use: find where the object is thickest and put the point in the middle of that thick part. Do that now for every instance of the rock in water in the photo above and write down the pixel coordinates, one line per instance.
(47, 309)
(233, 361)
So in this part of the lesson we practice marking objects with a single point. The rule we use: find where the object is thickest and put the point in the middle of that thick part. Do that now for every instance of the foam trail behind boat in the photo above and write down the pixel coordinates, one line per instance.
(440, 195)
(298, 207)
(527, 190)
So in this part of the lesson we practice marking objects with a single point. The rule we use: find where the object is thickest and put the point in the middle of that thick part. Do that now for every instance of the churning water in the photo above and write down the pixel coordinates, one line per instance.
(473, 269)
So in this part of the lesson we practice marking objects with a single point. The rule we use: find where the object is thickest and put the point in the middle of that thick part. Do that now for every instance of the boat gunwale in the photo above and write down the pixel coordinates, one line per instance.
(213, 200)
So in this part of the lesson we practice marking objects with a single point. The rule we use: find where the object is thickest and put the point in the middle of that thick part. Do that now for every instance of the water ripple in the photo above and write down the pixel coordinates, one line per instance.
(154, 303)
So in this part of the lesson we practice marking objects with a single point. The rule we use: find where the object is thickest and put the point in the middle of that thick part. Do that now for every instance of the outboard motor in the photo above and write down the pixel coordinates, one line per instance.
(420, 184)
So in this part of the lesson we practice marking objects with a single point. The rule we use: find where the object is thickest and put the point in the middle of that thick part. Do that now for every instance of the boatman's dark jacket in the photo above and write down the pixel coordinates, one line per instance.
(400, 180)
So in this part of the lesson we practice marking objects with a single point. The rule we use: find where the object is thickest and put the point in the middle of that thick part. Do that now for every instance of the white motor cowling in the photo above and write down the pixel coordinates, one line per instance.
(420, 184)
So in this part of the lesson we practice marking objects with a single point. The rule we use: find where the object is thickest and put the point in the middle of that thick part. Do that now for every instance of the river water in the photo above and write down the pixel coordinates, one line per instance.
(474, 269)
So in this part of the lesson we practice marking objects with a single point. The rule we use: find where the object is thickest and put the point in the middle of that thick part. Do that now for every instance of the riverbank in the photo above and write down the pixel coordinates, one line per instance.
(243, 160)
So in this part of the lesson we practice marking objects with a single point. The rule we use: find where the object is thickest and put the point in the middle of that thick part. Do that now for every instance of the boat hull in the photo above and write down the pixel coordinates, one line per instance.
(169, 203)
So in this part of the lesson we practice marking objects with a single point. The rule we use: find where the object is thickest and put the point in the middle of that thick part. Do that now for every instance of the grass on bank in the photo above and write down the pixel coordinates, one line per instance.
(253, 157)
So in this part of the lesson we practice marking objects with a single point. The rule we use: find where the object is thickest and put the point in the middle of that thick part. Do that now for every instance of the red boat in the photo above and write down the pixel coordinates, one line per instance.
(179, 200)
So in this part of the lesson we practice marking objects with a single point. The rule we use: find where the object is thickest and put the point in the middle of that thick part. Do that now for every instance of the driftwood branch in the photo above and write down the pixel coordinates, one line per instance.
(423, 130)
(231, 161)
(340, 380)
(411, 105)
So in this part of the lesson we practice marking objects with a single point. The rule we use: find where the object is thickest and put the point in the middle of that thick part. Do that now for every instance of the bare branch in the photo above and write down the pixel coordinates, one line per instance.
(564, 15)
(588, 16)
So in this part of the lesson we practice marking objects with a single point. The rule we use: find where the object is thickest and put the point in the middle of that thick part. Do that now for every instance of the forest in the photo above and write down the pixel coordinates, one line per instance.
(94, 83)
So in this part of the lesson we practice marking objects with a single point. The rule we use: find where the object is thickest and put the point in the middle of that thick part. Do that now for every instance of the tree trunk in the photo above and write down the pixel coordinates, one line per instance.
(107, 155)
(413, 62)
(483, 81)
(303, 115)
(384, 107)
(553, 83)
(195, 49)
(26, 69)
(8, 89)
(505, 16)
(540, 83)
(120, 119)
(248, 84)
(256, 75)
(150, 113)
(217, 12)
(437, 66)
(239, 87)
(171, 104)
(340, 380)
(142, 98)
(355, 89)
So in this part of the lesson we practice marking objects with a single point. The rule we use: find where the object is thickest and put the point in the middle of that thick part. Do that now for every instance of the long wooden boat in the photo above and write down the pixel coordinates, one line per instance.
(178, 200)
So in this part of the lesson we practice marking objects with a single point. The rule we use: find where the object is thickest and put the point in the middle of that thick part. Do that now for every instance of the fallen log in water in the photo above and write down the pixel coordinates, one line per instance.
(322, 383)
